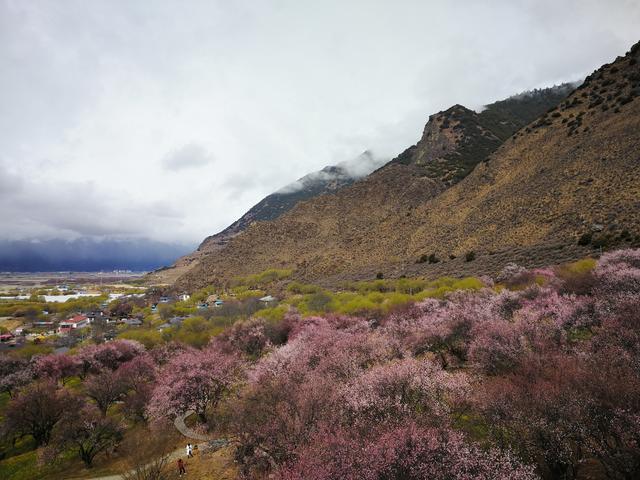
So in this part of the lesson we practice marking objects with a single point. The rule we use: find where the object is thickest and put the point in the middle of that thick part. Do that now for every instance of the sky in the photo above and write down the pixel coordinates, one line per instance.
(167, 120)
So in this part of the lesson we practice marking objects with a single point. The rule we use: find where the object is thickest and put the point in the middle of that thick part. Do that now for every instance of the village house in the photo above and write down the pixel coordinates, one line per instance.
(132, 322)
(214, 300)
(73, 323)
(268, 299)
(5, 337)
(105, 320)
(22, 329)
(92, 316)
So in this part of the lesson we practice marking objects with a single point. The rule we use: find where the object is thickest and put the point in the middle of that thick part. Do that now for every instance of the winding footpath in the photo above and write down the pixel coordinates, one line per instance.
(180, 424)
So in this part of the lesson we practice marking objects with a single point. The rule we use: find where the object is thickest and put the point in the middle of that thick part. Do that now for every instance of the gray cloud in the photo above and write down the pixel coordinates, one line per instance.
(111, 109)
(353, 169)
(188, 156)
(363, 164)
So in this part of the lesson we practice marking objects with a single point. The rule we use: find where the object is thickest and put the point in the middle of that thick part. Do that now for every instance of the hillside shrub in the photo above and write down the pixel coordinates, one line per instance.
(601, 241)
(273, 314)
(585, 239)
(301, 288)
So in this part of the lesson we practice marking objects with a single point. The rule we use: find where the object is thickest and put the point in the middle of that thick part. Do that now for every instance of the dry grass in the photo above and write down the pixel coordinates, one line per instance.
(218, 465)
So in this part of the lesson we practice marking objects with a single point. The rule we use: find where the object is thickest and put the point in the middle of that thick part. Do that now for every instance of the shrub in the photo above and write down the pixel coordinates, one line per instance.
(601, 241)
(441, 287)
(319, 302)
(469, 256)
(273, 314)
(410, 285)
(624, 235)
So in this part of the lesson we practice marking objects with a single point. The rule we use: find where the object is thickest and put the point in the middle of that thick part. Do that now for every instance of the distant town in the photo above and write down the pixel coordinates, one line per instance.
(41, 316)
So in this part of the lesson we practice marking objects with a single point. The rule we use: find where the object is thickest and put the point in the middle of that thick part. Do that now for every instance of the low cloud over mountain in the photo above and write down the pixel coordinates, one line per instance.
(349, 170)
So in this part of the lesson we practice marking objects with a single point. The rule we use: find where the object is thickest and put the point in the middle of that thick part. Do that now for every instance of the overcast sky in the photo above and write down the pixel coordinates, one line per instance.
(169, 119)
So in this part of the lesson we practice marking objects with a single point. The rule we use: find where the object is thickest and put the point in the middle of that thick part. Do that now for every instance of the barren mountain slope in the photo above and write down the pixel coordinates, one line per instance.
(572, 172)
(347, 231)
(328, 180)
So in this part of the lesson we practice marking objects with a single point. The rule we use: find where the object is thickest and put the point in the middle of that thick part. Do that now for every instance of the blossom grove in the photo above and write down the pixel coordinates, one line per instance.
(535, 376)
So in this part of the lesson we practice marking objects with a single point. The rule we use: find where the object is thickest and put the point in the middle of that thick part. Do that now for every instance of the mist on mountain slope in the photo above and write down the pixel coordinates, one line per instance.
(353, 169)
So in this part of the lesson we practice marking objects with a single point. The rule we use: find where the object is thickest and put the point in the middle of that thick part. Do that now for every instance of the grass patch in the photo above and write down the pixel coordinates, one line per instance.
(273, 314)
(149, 338)
(378, 296)
(580, 334)
(580, 267)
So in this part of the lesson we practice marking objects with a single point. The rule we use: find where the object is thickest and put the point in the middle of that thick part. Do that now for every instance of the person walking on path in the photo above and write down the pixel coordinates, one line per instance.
(181, 469)
(189, 450)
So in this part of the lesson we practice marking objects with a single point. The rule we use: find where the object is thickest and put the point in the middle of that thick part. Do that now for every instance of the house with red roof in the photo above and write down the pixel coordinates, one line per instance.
(73, 323)
(5, 337)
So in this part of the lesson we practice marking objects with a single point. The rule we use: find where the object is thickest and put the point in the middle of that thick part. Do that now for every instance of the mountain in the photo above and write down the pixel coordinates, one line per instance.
(537, 185)
(455, 140)
(328, 180)
(86, 255)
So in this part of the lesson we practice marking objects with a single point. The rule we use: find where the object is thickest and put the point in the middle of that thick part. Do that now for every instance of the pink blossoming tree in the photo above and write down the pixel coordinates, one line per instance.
(194, 381)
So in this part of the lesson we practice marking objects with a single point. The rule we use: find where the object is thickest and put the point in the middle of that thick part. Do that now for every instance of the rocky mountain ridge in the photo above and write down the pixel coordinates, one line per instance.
(573, 166)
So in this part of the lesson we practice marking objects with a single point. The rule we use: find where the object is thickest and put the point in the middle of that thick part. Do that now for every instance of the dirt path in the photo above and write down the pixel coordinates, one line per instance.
(173, 457)
(180, 424)
(182, 427)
